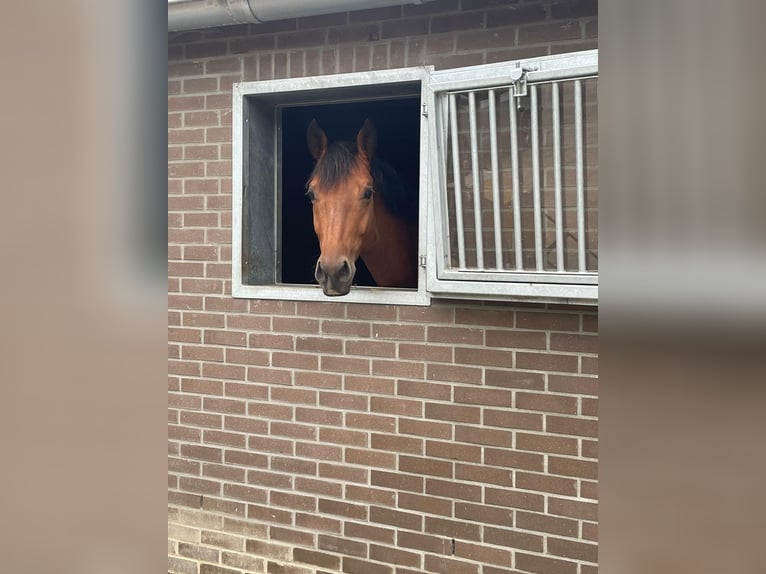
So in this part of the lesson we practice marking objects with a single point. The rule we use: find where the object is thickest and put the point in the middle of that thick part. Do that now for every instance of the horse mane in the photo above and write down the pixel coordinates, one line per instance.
(340, 158)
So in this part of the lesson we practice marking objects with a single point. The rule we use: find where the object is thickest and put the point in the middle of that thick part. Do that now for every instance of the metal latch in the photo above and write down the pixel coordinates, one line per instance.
(519, 80)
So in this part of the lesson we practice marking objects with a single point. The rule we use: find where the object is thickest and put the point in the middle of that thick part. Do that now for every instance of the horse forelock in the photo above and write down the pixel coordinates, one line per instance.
(338, 162)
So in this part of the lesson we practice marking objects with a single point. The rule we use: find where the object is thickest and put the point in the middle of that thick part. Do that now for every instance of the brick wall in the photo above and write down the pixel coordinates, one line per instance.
(335, 437)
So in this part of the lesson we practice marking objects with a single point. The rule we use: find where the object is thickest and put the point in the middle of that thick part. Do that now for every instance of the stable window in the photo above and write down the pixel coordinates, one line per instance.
(275, 248)
(503, 158)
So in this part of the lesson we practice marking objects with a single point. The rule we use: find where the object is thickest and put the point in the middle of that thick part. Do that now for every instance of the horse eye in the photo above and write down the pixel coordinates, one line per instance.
(367, 193)
(311, 195)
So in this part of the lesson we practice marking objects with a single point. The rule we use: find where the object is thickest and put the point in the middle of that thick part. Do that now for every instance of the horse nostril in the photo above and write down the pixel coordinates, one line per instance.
(319, 272)
(344, 273)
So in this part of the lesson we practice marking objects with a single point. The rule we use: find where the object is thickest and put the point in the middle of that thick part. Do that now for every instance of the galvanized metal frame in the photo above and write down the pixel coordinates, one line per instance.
(311, 90)
(442, 278)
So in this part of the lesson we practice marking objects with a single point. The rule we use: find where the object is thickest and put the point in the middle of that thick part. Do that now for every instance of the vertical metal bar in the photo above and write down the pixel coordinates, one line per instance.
(456, 180)
(495, 181)
(536, 180)
(557, 177)
(515, 182)
(476, 181)
(580, 179)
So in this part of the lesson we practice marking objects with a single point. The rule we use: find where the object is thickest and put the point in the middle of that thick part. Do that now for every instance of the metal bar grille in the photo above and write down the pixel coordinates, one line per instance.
(580, 182)
(496, 216)
(538, 223)
(523, 202)
(456, 180)
(478, 232)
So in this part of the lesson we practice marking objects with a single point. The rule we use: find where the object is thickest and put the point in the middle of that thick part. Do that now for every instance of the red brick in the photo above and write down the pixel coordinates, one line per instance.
(344, 473)
(425, 542)
(578, 509)
(406, 520)
(548, 524)
(202, 386)
(514, 499)
(484, 357)
(425, 504)
(514, 459)
(369, 532)
(572, 384)
(453, 528)
(371, 348)
(533, 563)
(454, 451)
(370, 422)
(423, 352)
(451, 412)
(244, 458)
(292, 500)
(459, 335)
(370, 458)
(394, 556)
(298, 537)
(426, 390)
(427, 466)
(289, 360)
(513, 539)
(454, 374)
(318, 416)
(572, 467)
(483, 396)
(345, 365)
(516, 339)
(343, 437)
(483, 436)
(396, 406)
(293, 466)
(396, 443)
(449, 565)
(342, 545)
(512, 419)
(450, 489)
(425, 428)
(345, 509)
(548, 321)
(396, 480)
(546, 403)
(571, 426)
(484, 474)
(547, 362)
(358, 566)
(343, 401)
(399, 332)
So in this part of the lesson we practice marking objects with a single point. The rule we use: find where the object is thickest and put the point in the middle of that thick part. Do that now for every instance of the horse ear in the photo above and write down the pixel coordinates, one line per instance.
(366, 139)
(317, 140)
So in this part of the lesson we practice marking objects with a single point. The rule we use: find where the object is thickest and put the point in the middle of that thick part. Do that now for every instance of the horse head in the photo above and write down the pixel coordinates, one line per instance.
(341, 190)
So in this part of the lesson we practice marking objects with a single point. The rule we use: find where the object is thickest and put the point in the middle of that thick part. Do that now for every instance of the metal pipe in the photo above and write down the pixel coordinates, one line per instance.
(495, 181)
(456, 179)
(476, 181)
(193, 14)
(536, 180)
(557, 177)
(580, 180)
(515, 183)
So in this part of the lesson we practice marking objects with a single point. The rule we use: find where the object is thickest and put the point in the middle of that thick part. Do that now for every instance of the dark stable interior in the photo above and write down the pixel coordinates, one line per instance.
(397, 122)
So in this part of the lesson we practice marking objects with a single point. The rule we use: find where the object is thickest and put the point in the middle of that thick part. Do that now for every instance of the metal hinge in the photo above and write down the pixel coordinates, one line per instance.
(425, 110)
(422, 260)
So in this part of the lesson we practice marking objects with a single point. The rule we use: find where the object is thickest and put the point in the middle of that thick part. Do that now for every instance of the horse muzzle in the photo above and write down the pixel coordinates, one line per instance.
(335, 277)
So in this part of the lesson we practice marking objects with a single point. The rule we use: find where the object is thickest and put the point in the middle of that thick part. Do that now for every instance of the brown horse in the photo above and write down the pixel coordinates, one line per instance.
(361, 209)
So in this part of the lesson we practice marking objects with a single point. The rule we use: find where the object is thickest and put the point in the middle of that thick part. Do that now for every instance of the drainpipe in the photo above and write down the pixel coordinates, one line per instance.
(193, 14)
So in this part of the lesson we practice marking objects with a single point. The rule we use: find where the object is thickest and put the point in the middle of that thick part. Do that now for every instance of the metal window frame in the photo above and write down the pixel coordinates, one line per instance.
(520, 285)
(317, 90)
